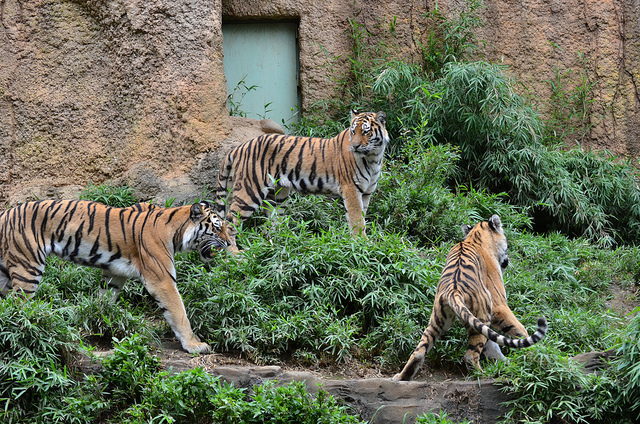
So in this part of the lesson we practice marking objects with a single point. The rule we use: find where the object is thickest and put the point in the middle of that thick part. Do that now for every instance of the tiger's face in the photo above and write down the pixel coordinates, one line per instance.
(368, 132)
(491, 235)
(210, 232)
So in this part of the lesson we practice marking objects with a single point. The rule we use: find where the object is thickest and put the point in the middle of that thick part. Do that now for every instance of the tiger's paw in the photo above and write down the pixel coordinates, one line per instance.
(198, 348)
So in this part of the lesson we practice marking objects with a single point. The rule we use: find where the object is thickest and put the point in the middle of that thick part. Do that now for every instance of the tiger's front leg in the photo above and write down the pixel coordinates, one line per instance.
(170, 302)
(355, 212)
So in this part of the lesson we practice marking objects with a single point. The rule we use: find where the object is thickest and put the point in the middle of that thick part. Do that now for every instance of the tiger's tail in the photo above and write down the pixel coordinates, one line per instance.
(457, 304)
(224, 176)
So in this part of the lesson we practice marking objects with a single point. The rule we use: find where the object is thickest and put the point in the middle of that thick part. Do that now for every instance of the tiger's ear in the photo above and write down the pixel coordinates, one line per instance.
(354, 113)
(382, 118)
(495, 224)
(465, 230)
(197, 213)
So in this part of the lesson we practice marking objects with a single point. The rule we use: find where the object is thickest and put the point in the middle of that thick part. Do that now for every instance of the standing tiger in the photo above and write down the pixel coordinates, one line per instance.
(269, 166)
(135, 242)
(471, 288)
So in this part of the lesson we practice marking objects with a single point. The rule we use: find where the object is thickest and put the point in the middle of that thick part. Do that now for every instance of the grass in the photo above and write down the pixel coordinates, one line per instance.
(305, 291)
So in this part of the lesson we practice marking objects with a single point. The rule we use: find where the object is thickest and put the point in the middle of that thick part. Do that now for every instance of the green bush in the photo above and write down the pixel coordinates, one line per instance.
(109, 194)
(439, 418)
(547, 386)
(36, 356)
(626, 369)
(293, 290)
(499, 139)
(97, 317)
(413, 199)
(195, 396)
(130, 369)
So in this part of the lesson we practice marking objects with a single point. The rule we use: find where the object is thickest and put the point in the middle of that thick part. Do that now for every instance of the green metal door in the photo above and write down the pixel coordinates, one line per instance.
(261, 67)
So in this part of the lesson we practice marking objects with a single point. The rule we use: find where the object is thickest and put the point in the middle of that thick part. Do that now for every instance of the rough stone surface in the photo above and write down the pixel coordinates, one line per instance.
(99, 90)
(89, 89)
(376, 400)
(382, 400)
(538, 37)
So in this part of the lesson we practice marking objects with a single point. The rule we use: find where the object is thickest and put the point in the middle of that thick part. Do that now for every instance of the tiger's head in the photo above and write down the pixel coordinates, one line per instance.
(368, 132)
(210, 232)
(491, 236)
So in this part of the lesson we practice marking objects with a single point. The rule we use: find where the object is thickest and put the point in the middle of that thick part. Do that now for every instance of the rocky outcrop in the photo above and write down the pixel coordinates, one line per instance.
(376, 400)
(88, 89)
(384, 401)
(596, 43)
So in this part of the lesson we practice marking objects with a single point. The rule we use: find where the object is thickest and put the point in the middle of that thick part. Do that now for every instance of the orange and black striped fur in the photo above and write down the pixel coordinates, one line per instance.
(471, 288)
(270, 166)
(135, 242)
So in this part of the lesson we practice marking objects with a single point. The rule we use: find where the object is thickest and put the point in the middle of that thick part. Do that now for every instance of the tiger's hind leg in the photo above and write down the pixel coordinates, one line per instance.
(24, 274)
(477, 341)
(475, 347)
(113, 283)
(505, 321)
(437, 327)
(492, 351)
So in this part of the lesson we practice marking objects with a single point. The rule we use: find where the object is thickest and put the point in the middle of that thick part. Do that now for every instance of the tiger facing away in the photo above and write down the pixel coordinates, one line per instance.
(471, 288)
(135, 242)
(270, 166)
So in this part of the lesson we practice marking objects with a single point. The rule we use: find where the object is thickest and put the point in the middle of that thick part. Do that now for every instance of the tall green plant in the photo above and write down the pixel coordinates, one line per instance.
(36, 346)
(499, 137)
(569, 108)
(450, 39)
(627, 368)
(109, 194)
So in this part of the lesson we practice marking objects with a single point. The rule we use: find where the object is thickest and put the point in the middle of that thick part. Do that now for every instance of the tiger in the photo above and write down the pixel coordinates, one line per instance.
(134, 242)
(268, 167)
(472, 288)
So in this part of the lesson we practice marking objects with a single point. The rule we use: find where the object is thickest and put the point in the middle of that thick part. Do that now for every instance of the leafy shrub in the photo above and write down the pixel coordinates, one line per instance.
(130, 369)
(109, 194)
(292, 404)
(293, 290)
(439, 418)
(36, 346)
(499, 139)
(627, 369)
(547, 386)
(99, 317)
(192, 396)
(413, 199)
(451, 40)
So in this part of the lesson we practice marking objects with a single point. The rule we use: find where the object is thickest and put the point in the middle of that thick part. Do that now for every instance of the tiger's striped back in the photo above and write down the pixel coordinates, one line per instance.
(268, 167)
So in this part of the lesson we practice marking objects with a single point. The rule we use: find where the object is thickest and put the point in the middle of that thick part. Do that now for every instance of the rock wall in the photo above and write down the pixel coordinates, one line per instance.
(598, 38)
(134, 90)
(89, 89)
